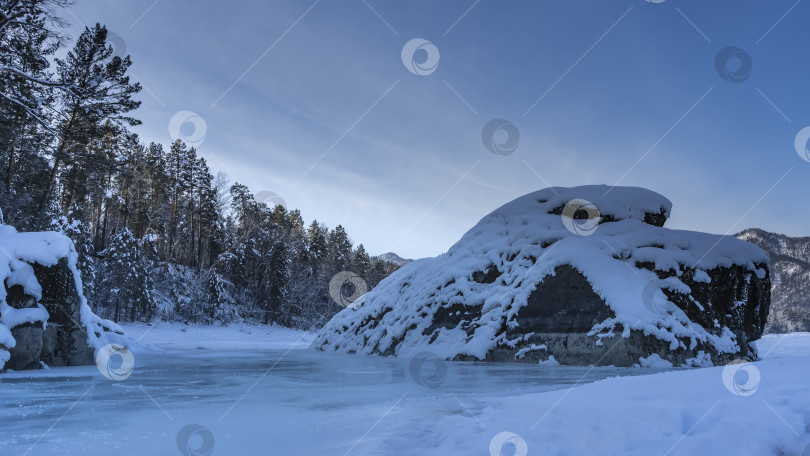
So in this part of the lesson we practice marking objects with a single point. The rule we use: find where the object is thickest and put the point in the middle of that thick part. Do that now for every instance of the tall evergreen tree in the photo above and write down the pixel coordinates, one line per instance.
(361, 262)
(127, 279)
(28, 35)
(316, 245)
(340, 249)
(279, 279)
(99, 98)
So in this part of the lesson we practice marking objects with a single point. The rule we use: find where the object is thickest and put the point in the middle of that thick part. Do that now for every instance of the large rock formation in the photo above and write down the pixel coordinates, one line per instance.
(44, 317)
(586, 275)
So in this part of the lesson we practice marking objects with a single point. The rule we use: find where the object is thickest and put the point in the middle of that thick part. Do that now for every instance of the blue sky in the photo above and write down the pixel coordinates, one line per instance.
(311, 101)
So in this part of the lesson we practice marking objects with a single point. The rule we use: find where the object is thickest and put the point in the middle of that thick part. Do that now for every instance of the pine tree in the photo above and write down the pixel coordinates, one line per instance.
(376, 274)
(28, 36)
(279, 279)
(247, 211)
(87, 173)
(99, 98)
(317, 246)
(340, 249)
(27, 41)
(206, 214)
(178, 185)
(361, 261)
(127, 279)
(217, 299)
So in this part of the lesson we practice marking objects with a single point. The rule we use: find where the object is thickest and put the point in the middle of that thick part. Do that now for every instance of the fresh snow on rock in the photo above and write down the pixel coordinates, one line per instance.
(46, 248)
(11, 317)
(655, 361)
(526, 240)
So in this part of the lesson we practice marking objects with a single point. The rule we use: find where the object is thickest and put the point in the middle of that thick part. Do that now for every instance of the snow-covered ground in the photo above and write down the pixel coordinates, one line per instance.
(176, 336)
(259, 390)
(691, 412)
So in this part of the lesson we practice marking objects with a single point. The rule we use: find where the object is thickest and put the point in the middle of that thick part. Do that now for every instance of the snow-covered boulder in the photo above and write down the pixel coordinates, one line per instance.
(588, 275)
(44, 316)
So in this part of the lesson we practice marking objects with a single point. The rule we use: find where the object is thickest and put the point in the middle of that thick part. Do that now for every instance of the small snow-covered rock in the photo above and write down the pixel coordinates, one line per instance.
(588, 272)
(42, 304)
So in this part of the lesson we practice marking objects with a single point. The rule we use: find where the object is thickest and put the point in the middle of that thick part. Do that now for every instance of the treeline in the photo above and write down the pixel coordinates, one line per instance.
(157, 234)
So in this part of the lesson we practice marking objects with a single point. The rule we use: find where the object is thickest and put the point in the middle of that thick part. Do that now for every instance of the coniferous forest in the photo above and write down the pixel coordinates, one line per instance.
(158, 235)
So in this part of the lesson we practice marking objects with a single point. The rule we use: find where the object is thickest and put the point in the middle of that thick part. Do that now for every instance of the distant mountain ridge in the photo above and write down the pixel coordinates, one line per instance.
(392, 257)
(790, 278)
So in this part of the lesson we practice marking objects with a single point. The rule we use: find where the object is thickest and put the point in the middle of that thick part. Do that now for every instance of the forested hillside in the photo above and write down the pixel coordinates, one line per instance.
(790, 275)
(159, 236)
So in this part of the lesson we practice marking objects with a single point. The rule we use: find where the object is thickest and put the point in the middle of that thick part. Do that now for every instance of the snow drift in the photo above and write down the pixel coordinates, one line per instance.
(64, 325)
(586, 275)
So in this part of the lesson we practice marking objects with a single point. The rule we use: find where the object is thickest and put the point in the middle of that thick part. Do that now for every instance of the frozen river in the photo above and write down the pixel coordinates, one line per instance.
(254, 401)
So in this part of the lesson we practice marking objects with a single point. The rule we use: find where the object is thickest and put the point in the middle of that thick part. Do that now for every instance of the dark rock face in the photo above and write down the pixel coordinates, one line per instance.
(49, 336)
(61, 299)
(64, 340)
(563, 308)
(565, 303)
(650, 218)
(25, 355)
(737, 298)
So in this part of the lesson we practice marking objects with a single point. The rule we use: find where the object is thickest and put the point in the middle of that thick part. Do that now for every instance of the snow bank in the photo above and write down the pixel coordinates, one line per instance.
(179, 336)
(692, 412)
(47, 248)
(784, 345)
(520, 244)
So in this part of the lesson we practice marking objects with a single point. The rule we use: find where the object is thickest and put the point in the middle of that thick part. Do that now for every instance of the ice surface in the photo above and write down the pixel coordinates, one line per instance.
(295, 401)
